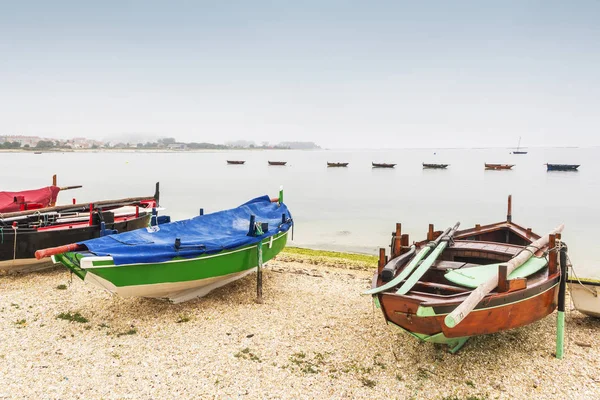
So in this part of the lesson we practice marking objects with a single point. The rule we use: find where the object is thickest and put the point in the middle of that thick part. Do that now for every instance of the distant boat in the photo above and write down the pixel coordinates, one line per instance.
(498, 166)
(234, 162)
(37, 152)
(277, 163)
(382, 165)
(518, 147)
(435, 166)
(337, 164)
(562, 167)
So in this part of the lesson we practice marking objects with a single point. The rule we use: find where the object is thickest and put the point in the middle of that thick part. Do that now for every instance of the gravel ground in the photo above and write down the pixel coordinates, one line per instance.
(315, 336)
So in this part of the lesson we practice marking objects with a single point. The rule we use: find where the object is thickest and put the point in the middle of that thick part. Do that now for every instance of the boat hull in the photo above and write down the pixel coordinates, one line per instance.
(561, 167)
(490, 315)
(586, 296)
(337, 165)
(21, 258)
(498, 166)
(176, 280)
(435, 166)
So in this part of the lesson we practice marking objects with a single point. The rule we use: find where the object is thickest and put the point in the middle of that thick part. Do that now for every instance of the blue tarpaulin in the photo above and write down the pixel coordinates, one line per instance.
(209, 233)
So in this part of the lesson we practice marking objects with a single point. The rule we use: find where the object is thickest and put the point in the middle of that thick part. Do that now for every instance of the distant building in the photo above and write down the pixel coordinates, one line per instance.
(30, 140)
(177, 146)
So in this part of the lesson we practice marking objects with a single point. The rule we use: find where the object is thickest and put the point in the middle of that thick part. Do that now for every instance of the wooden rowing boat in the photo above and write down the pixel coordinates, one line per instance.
(435, 166)
(337, 164)
(184, 259)
(470, 257)
(585, 293)
(498, 166)
(235, 162)
(25, 232)
(382, 165)
(278, 163)
(562, 167)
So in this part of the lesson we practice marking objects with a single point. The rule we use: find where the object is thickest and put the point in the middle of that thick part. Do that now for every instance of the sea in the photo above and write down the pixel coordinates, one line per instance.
(351, 209)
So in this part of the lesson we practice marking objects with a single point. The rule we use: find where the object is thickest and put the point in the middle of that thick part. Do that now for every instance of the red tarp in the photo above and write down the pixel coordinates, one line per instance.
(28, 199)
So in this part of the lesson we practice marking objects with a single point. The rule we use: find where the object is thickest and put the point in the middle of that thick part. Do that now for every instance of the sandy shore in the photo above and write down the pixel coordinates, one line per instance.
(315, 336)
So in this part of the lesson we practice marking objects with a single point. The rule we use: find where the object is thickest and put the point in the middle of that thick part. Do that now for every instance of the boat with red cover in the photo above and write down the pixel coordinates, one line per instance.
(24, 232)
(32, 199)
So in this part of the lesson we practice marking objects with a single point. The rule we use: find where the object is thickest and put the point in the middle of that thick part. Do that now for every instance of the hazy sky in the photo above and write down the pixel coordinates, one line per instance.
(340, 73)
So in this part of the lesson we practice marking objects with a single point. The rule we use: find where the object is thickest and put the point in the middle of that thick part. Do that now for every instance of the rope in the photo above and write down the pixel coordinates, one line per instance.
(570, 265)
(258, 229)
(2, 234)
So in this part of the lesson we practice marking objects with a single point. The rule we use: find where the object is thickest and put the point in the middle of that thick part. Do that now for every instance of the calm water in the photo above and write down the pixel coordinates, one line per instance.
(352, 208)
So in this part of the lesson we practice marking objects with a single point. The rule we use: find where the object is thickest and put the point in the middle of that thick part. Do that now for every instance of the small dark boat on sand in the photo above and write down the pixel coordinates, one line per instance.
(435, 166)
(382, 165)
(498, 166)
(562, 167)
(281, 163)
(235, 162)
(337, 164)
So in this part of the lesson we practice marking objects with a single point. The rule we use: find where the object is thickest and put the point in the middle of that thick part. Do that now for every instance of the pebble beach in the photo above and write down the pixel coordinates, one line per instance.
(314, 336)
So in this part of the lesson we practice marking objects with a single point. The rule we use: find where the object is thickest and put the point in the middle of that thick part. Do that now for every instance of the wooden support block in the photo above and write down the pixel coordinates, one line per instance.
(430, 232)
(509, 285)
(404, 243)
(552, 260)
(477, 226)
(502, 278)
(396, 248)
(528, 232)
(381, 263)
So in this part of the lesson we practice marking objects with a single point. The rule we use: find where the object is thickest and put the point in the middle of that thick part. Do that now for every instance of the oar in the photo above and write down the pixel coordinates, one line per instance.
(409, 268)
(52, 251)
(425, 265)
(463, 310)
(70, 187)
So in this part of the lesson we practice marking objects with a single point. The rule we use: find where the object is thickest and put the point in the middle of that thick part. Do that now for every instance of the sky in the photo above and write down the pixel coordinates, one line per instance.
(344, 74)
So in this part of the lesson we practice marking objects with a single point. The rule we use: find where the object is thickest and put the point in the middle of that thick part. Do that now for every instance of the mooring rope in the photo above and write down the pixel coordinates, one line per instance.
(570, 265)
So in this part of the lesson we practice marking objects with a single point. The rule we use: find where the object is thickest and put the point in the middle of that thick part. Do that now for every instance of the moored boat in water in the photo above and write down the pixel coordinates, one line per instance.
(278, 163)
(498, 166)
(25, 232)
(562, 167)
(461, 283)
(235, 162)
(184, 259)
(382, 165)
(435, 166)
(337, 164)
(518, 150)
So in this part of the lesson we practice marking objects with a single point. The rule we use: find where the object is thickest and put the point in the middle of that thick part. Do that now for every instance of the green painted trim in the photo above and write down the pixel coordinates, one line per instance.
(425, 312)
(475, 276)
(180, 270)
(454, 344)
(560, 334)
(376, 301)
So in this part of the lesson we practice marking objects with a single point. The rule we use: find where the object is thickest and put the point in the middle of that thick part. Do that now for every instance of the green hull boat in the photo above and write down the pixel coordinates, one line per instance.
(182, 260)
(177, 280)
